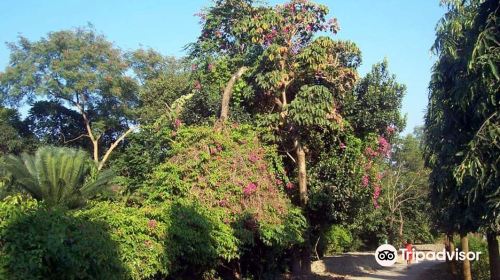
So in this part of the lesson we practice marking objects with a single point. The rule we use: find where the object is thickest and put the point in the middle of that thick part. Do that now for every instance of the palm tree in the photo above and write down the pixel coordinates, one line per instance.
(57, 176)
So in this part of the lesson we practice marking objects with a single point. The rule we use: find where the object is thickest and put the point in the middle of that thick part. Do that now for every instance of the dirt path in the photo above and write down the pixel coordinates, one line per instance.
(362, 266)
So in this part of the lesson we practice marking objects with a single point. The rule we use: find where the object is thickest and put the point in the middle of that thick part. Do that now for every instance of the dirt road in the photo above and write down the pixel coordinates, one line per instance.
(362, 266)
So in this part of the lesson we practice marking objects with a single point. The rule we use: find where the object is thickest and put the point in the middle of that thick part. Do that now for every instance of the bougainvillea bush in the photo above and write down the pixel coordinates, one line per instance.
(234, 184)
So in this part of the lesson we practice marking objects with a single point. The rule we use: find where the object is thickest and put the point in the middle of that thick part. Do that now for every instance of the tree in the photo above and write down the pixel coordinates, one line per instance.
(54, 124)
(462, 123)
(81, 70)
(162, 81)
(405, 190)
(15, 137)
(376, 103)
(57, 176)
(222, 54)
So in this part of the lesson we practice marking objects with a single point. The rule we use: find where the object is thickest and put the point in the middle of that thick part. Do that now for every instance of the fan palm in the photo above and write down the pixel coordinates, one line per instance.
(58, 176)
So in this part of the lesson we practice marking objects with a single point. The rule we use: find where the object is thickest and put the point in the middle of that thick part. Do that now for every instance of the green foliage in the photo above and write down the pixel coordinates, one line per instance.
(376, 103)
(54, 124)
(57, 176)
(229, 171)
(37, 243)
(337, 239)
(139, 239)
(336, 193)
(163, 80)
(227, 197)
(462, 117)
(198, 238)
(16, 136)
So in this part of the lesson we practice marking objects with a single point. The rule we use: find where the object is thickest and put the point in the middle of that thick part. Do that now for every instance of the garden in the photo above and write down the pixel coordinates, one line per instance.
(259, 152)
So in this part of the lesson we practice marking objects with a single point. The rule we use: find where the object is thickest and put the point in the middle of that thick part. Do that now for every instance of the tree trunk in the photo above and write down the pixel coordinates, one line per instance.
(464, 241)
(228, 92)
(301, 162)
(401, 227)
(296, 261)
(391, 230)
(451, 248)
(493, 255)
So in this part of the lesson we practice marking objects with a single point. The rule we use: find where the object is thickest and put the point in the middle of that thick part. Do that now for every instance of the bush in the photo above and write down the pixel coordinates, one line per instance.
(231, 189)
(37, 243)
(336, 239)
(139, 238)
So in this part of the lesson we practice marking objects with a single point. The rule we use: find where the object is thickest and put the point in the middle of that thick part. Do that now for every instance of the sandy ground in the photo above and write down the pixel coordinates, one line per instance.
(362, 266)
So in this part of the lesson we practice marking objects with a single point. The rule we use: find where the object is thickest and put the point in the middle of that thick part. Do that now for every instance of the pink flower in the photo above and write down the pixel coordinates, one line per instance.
(249, 189)
(380, 176)
(384, 147)
(279, 182)
(210, 67)
(152, 224)
(390, 129)
(365, 180)
(197, 85)
(194, 67)
(177, 123)
(253, 157)
(342, 146)
(223, 202)
(290, 185)
(370, 152)
(376, 192)
(375, 203)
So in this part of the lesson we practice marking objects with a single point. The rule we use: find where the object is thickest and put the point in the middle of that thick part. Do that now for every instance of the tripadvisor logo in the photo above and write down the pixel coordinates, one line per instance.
(386, 255)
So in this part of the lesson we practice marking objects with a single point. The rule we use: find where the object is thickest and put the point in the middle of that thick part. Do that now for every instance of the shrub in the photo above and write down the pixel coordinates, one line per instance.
(231, 188)
(337, 239)
(139, 238)
(38, 243)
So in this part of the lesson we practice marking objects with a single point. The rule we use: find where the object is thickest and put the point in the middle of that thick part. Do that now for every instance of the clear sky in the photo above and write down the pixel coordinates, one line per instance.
(400, 30)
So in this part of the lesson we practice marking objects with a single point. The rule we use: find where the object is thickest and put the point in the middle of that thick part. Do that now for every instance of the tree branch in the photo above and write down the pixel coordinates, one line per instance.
(112, 147)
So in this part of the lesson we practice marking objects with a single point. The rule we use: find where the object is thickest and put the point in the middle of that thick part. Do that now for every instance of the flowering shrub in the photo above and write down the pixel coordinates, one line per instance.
(236, 187)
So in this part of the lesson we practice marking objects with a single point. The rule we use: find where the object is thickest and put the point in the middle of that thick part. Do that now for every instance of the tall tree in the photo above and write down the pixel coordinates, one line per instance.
(376, 103)
(81, 70)
(462, 122)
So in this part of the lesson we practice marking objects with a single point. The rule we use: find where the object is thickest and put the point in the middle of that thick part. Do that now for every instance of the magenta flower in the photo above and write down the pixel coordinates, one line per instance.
(223, 202)
(152, 224)
(370, 152)
(249, 189)
(365, 180)
(290, 185)
(177, 123)
(390, 129)
(342, 146)
(376, 192)
(197, 85)
(253, 157)
(384, 147)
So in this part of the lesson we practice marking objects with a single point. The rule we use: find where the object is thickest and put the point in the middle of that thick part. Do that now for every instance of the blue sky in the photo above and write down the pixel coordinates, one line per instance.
(400, 30)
